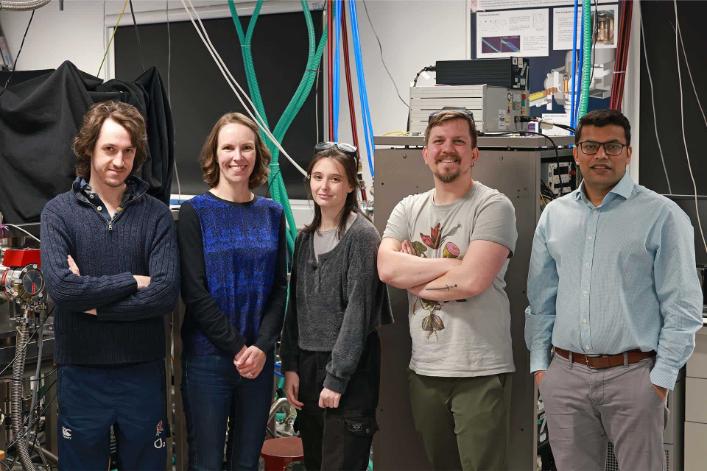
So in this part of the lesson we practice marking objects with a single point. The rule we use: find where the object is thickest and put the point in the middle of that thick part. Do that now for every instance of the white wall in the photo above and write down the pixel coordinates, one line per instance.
(75, 34)
(413, 33)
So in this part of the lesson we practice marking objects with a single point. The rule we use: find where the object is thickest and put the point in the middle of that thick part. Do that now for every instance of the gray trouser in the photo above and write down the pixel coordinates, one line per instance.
(586, 408)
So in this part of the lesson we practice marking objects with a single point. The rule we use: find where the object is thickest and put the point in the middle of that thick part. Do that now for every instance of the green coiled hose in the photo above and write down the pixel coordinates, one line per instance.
(278, 191)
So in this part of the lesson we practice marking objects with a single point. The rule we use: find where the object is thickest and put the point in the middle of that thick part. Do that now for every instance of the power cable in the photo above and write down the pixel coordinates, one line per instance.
(682, 124)
(552, 141)
(110, 41)
(655, 119)
(554, 146)
(316, 102)
(17, 58)
(169, 100)
(20, 229)
(692, 81)
(380, 47)
(429, 68)
(137, 36)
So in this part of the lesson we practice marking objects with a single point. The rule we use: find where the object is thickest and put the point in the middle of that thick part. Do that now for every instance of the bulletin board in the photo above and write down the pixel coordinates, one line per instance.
(541, 31)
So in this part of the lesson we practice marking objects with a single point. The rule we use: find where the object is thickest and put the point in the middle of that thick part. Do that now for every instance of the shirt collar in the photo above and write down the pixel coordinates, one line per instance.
(135, 188)
(623, 188)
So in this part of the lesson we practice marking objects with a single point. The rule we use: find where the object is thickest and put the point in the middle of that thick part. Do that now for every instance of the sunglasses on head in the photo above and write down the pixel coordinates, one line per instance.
(463, 111)
(343, 147)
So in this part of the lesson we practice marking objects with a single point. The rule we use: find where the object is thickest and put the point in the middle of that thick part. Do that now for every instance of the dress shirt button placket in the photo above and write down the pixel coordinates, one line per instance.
(586, 284)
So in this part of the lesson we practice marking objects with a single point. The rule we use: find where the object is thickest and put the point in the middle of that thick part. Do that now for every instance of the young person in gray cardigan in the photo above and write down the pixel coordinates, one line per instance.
(330, 348)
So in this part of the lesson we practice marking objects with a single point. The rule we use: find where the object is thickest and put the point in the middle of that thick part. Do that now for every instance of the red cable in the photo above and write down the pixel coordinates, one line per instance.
(347, 68)
(349, 93)
(330, 68)
(617, 85)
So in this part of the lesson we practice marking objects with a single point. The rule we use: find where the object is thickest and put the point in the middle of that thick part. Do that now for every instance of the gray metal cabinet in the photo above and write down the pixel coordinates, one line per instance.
(696, 405)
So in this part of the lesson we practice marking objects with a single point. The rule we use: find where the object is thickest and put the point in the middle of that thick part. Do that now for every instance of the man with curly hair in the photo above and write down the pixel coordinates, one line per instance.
(109, 255)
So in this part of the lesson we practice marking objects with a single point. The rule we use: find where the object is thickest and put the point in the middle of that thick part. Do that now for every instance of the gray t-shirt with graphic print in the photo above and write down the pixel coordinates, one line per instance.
(469, 337)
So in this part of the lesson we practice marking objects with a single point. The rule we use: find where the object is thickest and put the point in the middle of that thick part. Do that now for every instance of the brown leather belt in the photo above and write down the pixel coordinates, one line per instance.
(600, 362)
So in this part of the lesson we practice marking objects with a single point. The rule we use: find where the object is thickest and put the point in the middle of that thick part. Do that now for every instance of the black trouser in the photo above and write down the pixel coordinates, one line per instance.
(339, 439)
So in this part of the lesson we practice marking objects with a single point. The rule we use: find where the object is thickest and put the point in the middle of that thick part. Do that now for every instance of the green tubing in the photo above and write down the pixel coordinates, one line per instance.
(586, 58)
(277, 186)
(245, 40)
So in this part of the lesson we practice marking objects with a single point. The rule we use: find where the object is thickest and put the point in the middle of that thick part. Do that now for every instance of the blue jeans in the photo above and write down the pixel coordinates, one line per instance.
(216, 400)
(130, 398)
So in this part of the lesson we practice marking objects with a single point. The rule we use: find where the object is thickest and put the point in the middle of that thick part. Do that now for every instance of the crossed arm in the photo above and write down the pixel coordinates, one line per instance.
(123, 297)
(141, 280)
(441, 279)
(65, 286)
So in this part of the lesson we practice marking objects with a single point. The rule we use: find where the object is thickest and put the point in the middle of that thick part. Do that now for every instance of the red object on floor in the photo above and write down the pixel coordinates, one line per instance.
(279, 452)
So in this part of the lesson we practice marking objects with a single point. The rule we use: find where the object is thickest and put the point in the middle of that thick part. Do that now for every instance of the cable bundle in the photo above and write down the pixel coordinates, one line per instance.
(334, 97)
(617, 85)
(275, 181)
(363, 94)
(251, 109)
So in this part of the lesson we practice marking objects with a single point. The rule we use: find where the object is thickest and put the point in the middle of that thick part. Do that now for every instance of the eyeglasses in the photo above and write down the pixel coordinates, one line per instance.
(344, 147)
(610, 148)
(462, 111)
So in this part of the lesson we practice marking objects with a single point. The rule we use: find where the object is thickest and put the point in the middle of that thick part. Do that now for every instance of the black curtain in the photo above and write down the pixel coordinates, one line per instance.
(41, 112)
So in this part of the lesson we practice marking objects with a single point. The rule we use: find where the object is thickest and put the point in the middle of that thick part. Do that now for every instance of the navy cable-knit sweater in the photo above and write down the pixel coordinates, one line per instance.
(129, 325)
(234, 274)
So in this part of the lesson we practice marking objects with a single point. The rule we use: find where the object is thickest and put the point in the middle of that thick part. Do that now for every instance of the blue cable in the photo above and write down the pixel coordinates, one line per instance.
(574, 65)
(366, 112)
(363, 94)
(337, 65)
(580, 64)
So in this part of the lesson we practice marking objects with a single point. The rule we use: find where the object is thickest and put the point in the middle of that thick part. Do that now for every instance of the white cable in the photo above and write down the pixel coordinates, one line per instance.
(169, 100)
(655, 121)
(682, 124)
(254, 115)
(201, 31)
(227, 74)
(689, 72)
(231, 81)
(20, 229)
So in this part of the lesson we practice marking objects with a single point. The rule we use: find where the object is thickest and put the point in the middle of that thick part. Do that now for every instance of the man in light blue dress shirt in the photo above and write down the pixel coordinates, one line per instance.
(613, 289)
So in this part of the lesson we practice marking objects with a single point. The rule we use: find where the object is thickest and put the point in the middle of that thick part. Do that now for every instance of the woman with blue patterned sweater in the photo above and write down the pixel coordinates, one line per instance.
(234, 285)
